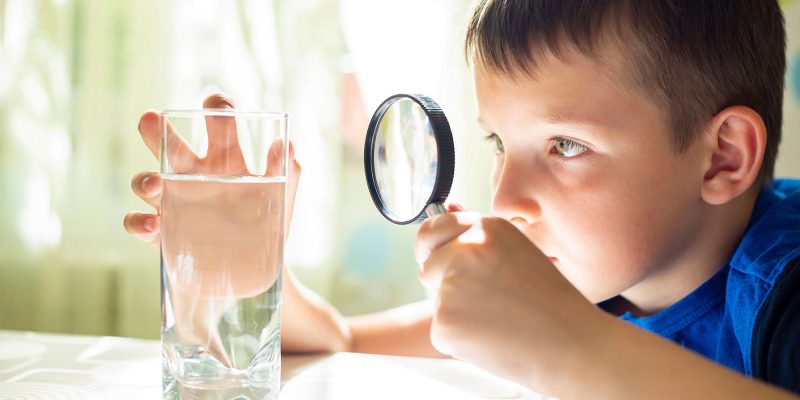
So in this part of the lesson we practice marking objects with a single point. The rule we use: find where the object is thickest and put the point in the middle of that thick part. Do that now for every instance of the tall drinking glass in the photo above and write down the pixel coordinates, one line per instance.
(222, 212)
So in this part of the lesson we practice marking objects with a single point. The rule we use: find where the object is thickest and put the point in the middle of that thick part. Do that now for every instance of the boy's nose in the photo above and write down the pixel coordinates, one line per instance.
(513, 198)
(515, 208)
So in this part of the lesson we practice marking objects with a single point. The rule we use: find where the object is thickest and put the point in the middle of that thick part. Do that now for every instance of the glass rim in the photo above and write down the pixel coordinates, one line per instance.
(223, 112)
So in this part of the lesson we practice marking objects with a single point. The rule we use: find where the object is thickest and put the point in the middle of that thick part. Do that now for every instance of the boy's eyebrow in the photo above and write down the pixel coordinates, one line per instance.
(564, 119)
(554, 119)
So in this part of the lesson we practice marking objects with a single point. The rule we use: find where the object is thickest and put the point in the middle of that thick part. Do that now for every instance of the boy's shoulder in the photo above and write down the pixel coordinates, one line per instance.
(763, 287)
(772, 239)
(775, 341)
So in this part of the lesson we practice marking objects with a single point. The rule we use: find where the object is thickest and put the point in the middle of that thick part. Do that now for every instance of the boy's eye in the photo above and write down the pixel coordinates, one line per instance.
(568, 148)
(498, 144)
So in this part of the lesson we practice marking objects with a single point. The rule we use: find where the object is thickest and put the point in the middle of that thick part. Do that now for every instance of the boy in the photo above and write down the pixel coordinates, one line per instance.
(635, 142)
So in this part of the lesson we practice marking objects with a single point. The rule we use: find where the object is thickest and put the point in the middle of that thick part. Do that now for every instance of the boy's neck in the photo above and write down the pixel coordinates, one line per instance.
(720, 233)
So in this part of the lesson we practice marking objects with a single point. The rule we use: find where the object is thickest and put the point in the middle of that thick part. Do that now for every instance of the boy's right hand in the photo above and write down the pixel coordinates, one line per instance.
(148, 185)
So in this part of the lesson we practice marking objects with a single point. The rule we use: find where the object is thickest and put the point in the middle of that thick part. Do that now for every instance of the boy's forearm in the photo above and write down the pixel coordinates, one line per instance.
(620, 361)
(311, 325)
(401, 331)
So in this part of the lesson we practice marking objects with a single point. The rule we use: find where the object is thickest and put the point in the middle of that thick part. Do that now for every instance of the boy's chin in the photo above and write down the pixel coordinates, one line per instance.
(593, 293)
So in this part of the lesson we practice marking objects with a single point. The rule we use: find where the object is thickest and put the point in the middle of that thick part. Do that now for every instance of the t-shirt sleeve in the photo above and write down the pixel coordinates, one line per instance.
(776, 337)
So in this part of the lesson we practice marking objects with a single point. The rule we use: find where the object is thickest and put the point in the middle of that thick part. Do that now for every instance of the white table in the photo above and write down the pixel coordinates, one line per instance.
(48, 366)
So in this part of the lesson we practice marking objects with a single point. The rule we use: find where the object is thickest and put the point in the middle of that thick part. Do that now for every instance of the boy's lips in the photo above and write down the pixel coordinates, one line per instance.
(552, 260)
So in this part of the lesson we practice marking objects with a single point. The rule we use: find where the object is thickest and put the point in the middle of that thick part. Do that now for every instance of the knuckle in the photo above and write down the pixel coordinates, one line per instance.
(448, 219)
(424, 228)
(503, 224)
(493, 226)
(441, 221)
(491, 223)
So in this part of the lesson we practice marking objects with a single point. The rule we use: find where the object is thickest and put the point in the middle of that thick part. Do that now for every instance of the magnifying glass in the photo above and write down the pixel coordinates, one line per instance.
(409, 158)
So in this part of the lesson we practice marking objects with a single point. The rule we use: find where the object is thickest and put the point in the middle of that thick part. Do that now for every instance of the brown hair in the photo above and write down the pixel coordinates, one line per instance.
(695, 57)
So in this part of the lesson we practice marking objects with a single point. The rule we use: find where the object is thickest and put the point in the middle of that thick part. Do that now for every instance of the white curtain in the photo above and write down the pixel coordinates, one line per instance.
(76, 74)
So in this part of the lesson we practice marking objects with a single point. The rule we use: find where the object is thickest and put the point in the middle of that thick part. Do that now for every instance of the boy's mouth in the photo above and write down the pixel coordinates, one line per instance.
(552, 260)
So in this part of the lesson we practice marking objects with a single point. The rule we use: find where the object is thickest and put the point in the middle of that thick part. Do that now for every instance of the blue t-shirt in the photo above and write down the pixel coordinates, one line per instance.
(737, 318)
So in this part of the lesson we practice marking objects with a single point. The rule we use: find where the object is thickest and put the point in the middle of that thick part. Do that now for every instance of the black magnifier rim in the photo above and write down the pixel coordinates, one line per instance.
(445, 152)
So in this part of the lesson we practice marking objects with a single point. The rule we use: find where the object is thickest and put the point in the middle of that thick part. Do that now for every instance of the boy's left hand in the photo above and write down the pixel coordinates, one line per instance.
(501, 304)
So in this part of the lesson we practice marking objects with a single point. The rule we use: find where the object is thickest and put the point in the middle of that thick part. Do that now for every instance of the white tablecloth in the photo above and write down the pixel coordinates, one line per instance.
(66, 367)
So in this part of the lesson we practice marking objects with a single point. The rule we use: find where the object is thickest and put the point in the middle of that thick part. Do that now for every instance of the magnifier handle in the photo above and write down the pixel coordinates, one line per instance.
(435, 209)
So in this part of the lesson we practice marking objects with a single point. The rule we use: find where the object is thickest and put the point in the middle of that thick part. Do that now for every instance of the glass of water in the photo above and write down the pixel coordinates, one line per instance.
(223, 218)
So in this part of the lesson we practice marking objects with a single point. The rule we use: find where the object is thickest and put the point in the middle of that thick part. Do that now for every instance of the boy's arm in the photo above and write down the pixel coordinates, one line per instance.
(401, 331)
(621, 361)
(502, 305)
(309, 324)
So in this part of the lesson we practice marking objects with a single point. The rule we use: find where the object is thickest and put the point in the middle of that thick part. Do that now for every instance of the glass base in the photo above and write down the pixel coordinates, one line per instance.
(220, 390)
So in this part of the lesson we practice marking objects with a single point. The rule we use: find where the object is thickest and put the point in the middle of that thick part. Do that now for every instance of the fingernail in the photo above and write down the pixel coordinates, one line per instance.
(149, 224)
(224, 101)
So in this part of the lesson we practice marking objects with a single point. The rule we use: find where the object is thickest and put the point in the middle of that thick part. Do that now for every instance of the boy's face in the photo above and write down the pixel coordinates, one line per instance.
(588, 172)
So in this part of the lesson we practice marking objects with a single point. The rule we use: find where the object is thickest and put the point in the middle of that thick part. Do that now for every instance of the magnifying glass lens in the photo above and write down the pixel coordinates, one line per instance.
(408, 157)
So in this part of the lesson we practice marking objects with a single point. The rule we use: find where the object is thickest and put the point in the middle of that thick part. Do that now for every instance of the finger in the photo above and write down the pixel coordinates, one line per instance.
(293, 180)
(276, 156)
(144, 227)
(218, 100)
(275, 167)
(150, 129)
(455, 207)
(148, 185)
(223, 141)
(439, 230)
(436, 265)
(179, 154)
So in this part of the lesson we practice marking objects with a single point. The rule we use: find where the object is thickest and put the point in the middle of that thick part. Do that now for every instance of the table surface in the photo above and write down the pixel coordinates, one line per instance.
(49, 366)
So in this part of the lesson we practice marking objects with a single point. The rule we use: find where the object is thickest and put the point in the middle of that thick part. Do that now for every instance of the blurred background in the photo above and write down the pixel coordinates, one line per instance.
(75, 75)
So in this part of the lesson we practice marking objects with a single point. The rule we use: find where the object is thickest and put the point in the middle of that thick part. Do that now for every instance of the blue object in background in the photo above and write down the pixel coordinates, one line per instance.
(368, 250)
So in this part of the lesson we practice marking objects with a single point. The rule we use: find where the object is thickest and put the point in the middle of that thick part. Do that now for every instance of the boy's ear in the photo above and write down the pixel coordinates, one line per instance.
(736, 141)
